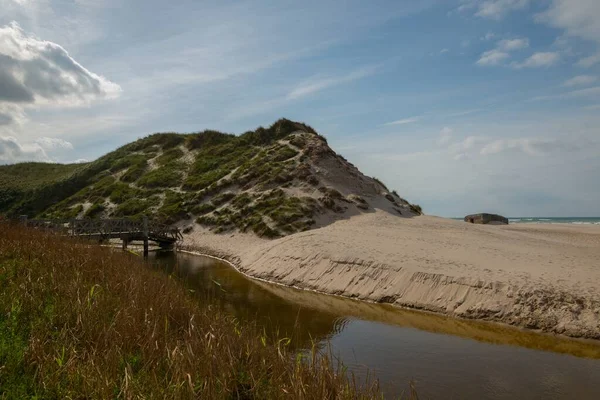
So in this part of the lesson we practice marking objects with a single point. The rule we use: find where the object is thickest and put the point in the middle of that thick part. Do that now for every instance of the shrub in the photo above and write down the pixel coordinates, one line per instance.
(122, 192)
(169, 156)
(381, 183)
(222, 198)
(135, 207)
(298, 141)
(203, 208)
(416, 209)
(173, 208)
(135, 171)
(94, 211)
(162, 177)
(128, 161)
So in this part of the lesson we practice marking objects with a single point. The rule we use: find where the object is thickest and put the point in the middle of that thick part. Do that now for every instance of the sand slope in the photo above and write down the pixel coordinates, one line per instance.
(537, 276)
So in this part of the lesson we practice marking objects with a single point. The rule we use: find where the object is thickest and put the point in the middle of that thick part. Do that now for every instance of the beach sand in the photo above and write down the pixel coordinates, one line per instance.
(544, 277)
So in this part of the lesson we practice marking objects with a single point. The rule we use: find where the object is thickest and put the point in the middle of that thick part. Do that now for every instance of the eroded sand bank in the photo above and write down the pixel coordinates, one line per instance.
(536, 276)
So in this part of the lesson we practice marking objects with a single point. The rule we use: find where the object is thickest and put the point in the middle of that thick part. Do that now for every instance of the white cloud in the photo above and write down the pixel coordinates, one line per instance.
(48, 143)
(537, 60)
(403, 121)
(488, 36)
(492, 57)
(11, 151)
(579, 18)
(513, 44)
(501, 53)
(529, 146)
(580, 80)
(317, 85)
(34, 72)
(589, 61)
(445, 136)
(444, 51)
(493, 9)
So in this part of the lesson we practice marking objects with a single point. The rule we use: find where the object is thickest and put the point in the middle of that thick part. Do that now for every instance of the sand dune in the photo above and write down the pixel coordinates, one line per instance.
(536, 276)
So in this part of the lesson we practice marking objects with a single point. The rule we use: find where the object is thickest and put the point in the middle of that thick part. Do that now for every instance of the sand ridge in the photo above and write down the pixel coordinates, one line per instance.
(541, 277)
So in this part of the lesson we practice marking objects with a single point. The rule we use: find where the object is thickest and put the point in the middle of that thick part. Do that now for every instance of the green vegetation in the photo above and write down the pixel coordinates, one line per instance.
(27, 183)
(121, 192)
(169, 175)
(136, 207)
(135, 171)
(172, 177)
(169, 156)
(81, 321)
(268, 215)
(94, 211)
(416, 209)
(173, 208)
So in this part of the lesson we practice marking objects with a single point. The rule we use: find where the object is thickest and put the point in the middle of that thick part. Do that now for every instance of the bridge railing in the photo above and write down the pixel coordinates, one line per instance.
(105, 227)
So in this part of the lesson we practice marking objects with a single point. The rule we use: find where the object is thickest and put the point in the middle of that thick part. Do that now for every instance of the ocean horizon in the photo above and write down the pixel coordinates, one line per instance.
(552, 220)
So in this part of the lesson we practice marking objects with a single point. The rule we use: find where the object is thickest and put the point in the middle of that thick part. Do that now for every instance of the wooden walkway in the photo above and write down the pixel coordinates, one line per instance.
(127, 230)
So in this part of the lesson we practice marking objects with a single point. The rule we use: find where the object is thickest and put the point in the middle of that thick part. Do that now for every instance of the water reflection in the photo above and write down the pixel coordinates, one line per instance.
(448, 358)
(247, 300)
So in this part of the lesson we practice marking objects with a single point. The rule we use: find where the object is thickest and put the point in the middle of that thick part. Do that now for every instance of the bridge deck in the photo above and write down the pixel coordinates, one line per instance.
(103, 229)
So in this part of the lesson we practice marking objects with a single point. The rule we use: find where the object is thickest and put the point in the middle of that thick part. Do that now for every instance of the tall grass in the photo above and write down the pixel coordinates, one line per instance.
(81, 321)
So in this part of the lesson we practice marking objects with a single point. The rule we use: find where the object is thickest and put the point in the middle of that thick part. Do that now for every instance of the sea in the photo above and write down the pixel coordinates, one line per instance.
(561, 220)
(555, 220)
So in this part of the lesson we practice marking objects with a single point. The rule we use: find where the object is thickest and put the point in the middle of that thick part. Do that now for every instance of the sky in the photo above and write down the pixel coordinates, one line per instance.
(462, 106)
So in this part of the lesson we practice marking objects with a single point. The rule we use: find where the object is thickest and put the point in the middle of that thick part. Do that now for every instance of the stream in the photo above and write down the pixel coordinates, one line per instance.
(444, 357)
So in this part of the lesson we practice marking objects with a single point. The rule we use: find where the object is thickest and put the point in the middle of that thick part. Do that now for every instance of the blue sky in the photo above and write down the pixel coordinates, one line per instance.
(462, 106)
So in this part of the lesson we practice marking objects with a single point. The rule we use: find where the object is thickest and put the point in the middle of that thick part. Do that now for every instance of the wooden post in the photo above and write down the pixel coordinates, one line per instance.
(23, 219)
(146, 234)
(125, 242)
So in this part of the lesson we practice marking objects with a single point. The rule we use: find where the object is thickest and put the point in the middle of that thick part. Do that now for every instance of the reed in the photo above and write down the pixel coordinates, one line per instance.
(82, 321)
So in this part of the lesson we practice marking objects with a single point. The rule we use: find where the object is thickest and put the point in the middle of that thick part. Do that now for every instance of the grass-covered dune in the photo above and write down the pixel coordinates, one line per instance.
(81, 321)
(271, 182)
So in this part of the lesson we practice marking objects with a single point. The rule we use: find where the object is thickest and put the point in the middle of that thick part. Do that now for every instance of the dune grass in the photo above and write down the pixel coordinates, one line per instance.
(82, 321)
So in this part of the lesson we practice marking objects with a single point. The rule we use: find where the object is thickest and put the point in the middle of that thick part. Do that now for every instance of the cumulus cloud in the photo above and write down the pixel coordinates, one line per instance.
(502, 51)
(580, 80)
(35, 72)
(579, 18)
(11, 151)
(492, 57)
(538, 60)
(513, 44)
(589, 61)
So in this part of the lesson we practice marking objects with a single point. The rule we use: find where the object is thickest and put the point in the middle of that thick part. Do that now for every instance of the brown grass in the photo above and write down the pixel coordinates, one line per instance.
(81, 321)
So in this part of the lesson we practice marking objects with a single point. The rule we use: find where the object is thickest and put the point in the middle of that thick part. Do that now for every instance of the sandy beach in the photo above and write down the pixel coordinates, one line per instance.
(542, 277)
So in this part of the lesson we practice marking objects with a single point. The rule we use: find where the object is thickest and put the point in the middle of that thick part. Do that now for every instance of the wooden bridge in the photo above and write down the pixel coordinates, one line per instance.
(127, 230)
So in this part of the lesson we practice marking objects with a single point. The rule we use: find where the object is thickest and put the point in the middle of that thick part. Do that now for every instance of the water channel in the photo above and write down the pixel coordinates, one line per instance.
(445, 357)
